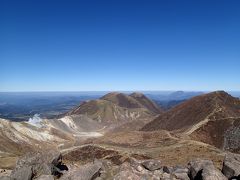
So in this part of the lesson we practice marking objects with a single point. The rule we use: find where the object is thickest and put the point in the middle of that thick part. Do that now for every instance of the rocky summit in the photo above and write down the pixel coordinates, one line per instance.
(53, 165)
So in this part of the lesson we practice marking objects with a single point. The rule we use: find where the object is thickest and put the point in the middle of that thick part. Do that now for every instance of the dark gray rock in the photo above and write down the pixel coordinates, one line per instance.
(36, 164)
(180, 173)
(231, 165)
(167, 169)
(152, 164)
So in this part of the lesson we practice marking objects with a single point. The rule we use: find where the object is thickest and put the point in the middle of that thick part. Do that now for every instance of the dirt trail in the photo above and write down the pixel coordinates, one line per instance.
(205, 121)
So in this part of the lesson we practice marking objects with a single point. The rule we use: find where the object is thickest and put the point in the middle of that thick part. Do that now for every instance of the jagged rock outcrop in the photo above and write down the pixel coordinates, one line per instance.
(35, 164)
(49, 166)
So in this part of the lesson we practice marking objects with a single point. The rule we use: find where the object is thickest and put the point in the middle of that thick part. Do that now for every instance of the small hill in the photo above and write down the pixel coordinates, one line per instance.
(213, 118)
(118, 107)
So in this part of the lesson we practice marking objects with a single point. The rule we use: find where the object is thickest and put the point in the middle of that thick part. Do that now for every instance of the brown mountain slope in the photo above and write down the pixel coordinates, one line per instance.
(122, 100)
(134, 100)
(117, 107)
(146, 102)
(213, 118)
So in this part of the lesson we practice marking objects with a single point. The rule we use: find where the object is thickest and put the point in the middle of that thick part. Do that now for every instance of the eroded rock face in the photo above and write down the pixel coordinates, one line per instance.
(35, 164)
(231, 165)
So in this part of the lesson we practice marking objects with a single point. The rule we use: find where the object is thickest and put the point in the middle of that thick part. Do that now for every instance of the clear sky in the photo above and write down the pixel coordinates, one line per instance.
(56, 45)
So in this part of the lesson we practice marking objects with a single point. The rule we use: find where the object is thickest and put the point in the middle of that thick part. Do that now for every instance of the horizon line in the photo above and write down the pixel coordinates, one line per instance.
(76, 91)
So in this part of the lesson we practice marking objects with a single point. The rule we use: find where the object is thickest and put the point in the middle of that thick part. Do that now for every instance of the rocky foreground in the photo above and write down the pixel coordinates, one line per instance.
(50, 165)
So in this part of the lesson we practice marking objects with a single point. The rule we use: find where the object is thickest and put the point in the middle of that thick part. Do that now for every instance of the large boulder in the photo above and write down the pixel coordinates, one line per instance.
(231, 165)
(205, 170)
(35, 164)
(152, 164)
(180, 173)
(87, 172)
(211, 173)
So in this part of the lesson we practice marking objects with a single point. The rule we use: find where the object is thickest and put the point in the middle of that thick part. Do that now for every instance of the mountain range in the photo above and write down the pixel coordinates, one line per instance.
(206, 125)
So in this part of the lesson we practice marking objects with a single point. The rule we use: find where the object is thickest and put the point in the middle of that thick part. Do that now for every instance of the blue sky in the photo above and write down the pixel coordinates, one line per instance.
(55, 45)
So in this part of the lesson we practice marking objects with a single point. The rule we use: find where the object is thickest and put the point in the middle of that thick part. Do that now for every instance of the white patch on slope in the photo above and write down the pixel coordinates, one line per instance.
(26, 133)
(69, 122)
(88, 134)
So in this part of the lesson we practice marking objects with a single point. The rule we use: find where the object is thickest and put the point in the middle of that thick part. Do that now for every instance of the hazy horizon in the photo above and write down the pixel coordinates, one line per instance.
(106, 91)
